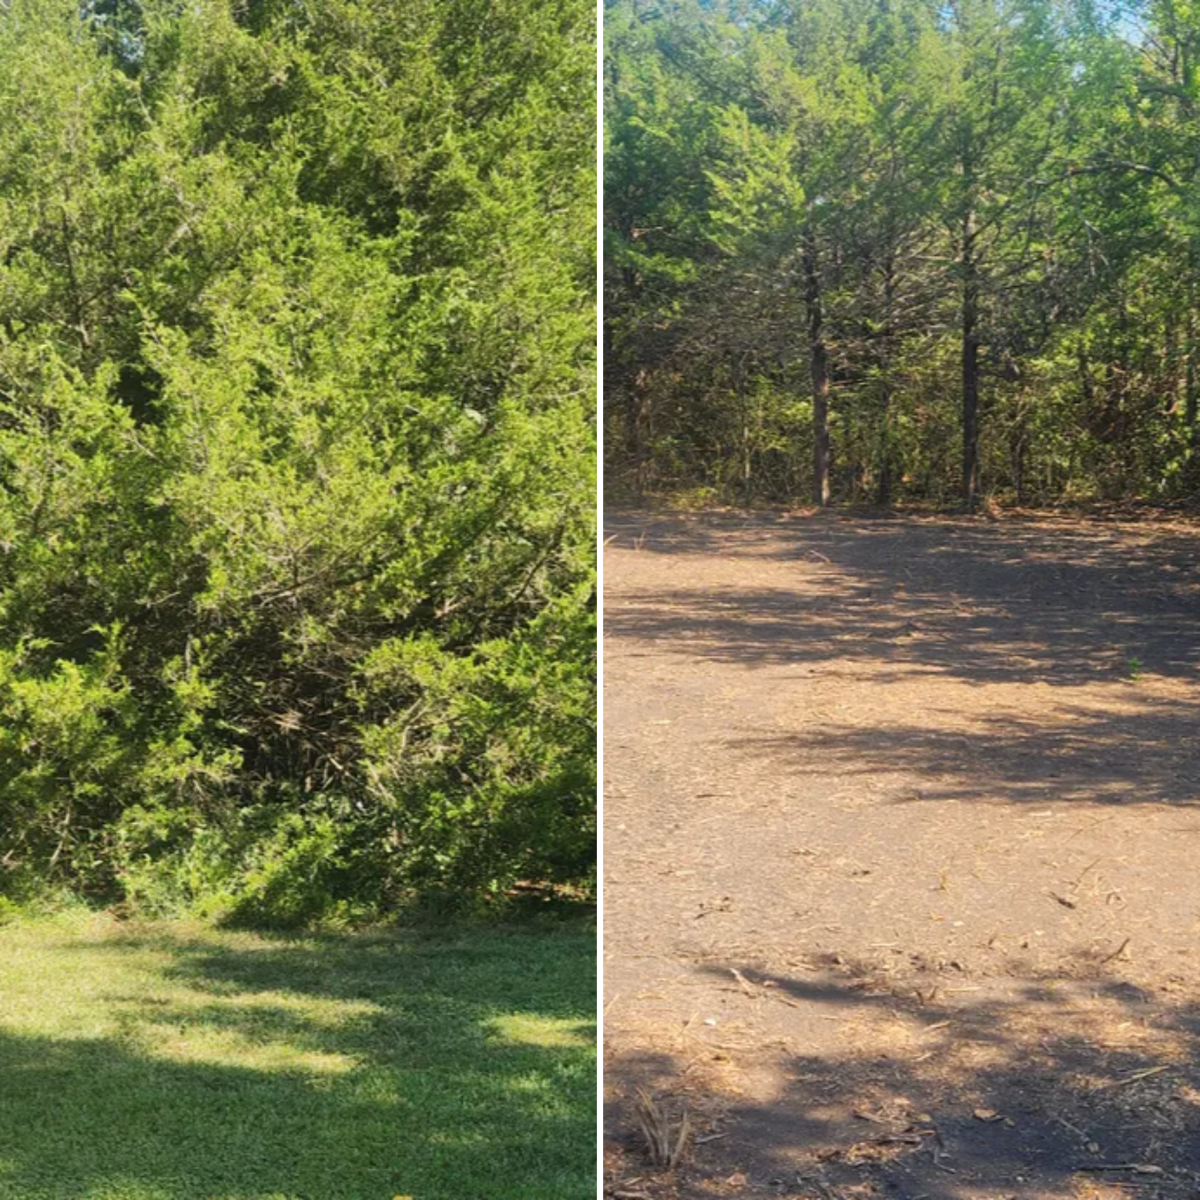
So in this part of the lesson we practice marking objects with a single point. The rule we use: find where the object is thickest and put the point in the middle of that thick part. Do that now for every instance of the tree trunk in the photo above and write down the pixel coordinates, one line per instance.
(1189, 374)
(1189, 385)
(970, 363)
(642, 416)
(747, 455)
(1018, 445)
(818, 359)
(883, 490)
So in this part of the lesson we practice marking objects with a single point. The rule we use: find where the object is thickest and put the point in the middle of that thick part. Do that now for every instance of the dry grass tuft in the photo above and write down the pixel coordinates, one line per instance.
(666, 1140)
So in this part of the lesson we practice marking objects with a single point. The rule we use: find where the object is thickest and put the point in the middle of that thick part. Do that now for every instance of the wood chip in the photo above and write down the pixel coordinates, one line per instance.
(743, 982)
(863, 1115)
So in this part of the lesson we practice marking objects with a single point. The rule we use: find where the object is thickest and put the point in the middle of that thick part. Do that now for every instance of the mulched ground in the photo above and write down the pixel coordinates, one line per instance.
(902, 828)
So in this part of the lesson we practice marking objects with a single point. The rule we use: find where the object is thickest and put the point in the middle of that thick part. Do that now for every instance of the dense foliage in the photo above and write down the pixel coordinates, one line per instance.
(296, 469)
(903, 249)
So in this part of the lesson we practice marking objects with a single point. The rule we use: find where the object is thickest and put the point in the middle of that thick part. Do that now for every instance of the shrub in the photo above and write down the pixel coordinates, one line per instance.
(296, 467)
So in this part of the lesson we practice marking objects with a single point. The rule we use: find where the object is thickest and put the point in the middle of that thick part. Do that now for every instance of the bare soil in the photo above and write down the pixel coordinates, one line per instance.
(902, 826)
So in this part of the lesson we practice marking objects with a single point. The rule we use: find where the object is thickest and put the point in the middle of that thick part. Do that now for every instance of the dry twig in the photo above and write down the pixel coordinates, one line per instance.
(1134, 1077)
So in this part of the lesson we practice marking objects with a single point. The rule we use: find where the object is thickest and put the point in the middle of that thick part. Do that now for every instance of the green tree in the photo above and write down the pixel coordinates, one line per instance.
(296, 392)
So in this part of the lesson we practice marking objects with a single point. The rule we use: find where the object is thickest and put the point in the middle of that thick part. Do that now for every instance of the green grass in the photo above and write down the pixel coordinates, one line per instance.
(172, 1061)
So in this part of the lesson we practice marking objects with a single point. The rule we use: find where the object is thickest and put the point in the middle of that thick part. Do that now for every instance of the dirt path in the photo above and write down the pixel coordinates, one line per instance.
(902, 828)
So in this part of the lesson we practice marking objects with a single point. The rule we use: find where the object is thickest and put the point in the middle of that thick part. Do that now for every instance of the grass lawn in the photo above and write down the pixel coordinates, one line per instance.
(173, 1061)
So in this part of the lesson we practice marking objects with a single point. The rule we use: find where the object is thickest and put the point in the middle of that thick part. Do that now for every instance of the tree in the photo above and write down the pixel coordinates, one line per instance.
(296, 383)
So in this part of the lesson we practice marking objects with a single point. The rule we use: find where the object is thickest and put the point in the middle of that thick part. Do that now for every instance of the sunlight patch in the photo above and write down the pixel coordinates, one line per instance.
(525, 1029)
(122, 1188)
(271, 1031)
(243, 1053)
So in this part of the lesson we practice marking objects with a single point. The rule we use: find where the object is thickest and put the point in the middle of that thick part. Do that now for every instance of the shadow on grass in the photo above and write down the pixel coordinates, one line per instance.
(314, 1068)
(1043, 1093)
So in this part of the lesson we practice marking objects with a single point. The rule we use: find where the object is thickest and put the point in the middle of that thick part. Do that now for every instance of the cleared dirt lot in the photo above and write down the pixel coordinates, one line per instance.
(902, 825)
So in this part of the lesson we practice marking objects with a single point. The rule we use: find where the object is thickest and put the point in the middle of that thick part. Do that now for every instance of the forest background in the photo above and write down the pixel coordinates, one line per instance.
(902, 250)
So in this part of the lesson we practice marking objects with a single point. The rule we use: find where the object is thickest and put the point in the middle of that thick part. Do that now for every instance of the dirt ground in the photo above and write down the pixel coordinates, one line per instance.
(902, 827)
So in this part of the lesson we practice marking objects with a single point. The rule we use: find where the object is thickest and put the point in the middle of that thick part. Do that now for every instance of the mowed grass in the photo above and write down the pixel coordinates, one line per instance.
(177, 1062)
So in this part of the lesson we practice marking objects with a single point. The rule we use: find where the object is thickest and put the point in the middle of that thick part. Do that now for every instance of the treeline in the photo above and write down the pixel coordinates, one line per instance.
(889, 250)
(297, 384)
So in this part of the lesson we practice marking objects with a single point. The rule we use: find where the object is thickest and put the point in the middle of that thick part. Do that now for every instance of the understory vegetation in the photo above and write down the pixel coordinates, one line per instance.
(903, 250)
(296, 453)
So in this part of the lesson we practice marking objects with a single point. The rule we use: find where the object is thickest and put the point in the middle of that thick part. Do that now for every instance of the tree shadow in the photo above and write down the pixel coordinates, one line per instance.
(436, 1067)
(1035, 1094)
(1145, 752)
(1059, 602)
